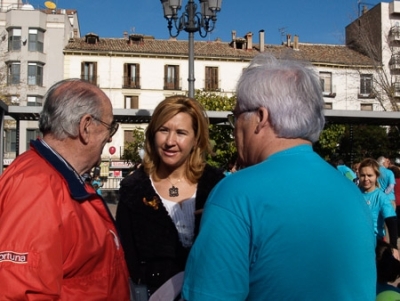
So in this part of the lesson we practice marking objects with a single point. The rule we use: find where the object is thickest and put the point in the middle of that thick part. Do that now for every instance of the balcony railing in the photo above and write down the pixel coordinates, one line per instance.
(131, 82)
(394, 63)
(394, 33)
(172, 83)
(13, 79)
(91, 78)
(396, 89)
(111, 183)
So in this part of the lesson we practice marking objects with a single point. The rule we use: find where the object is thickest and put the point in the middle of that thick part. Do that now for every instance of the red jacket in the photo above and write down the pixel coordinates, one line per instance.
(397, 191)
(58, 240)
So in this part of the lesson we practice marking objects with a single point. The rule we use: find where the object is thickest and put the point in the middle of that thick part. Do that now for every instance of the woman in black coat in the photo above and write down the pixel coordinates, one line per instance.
(160, 206)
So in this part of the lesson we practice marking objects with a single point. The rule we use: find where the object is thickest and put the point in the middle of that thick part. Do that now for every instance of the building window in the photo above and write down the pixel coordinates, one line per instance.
(328, 106)
(10, 145)
(211, 83)
(89, 72)
(366, 107)
(35, 74)
(132, 102)
(14, 99)
(171, 78)
(36, 37)
(13, 73)
(128, 136)
(396, 88)
(366, 85)
(14, 39)
(326, 82)
(32, 134)
(34, 101)
(132, 76)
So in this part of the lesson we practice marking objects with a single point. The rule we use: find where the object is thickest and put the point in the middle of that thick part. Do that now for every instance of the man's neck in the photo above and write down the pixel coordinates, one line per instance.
(280, 144)
(68, 149)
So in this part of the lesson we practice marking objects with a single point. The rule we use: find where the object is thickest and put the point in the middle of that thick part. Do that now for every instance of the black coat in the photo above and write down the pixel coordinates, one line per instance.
(151, 243)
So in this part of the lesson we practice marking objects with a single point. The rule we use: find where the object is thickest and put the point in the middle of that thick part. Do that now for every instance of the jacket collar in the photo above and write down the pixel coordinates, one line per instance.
(74, 181)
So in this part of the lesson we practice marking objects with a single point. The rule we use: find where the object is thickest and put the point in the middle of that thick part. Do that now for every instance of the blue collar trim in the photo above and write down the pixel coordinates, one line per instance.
(75, 183)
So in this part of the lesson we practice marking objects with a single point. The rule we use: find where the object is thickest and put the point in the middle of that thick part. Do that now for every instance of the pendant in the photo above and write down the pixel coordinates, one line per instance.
(174, 191)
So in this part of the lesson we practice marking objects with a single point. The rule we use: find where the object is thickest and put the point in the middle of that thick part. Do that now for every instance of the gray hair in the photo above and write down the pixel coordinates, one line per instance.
(65, 103)
(381, 160)
(289, 90)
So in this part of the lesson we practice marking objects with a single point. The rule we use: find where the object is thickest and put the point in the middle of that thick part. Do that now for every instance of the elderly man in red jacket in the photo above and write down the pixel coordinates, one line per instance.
(58, 241)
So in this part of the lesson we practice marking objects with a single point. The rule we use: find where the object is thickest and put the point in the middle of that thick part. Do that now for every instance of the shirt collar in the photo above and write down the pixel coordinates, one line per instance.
(74, 181)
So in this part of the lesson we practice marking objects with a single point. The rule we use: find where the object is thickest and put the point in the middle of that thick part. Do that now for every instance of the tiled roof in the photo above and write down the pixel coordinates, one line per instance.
(315, 53)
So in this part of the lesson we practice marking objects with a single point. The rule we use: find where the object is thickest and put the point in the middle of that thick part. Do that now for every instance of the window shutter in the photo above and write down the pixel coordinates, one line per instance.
(82, 70)
(137, 77)
(176, 78)
(94, 73)
(165, 77)
(135, 102)
(128, 136)
(126, 75)
(215, 78)
(208, 79)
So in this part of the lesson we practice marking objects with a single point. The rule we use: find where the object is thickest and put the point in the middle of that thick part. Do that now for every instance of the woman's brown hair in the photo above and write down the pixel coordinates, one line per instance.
(166, 110)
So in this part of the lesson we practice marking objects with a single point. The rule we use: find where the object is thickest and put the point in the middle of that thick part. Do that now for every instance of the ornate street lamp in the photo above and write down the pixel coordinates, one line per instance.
(191, 21)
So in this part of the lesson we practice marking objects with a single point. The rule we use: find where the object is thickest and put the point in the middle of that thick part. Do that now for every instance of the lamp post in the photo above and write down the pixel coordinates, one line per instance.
(191, 21)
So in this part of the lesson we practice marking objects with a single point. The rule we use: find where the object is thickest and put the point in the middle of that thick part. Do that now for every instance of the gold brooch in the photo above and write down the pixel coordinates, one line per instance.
(152, 203)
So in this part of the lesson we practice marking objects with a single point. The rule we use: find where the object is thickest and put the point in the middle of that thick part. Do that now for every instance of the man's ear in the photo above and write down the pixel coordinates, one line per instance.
(263, 115)
(84, 128)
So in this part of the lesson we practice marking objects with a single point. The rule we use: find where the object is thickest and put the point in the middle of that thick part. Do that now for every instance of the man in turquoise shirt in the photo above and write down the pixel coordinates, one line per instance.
(288, 226)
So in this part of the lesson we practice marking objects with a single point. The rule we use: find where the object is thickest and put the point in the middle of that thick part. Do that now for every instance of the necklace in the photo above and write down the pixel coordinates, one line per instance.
(173, 191)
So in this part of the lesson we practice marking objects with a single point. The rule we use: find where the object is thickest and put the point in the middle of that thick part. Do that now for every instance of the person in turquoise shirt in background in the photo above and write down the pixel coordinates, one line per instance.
(97, 183)
(379, 203)
(346, 171)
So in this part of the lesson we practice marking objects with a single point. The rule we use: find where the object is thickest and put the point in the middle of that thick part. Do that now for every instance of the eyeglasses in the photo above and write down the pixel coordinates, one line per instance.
(112, 128)
(232, 118)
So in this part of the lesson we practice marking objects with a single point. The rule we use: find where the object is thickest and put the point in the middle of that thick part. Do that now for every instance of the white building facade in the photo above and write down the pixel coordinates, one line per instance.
(31, 42)
(138, 71)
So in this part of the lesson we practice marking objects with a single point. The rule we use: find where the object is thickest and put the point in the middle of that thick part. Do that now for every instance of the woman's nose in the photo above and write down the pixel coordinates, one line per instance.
(171, 138)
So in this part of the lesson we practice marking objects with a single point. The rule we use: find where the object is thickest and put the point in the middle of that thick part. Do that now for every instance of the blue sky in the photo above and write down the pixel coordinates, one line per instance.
(314, 21)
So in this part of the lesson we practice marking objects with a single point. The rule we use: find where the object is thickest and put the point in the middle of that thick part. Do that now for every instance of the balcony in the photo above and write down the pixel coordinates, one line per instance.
(131, 82)
(394, 63)
(329, 94)
(396, 89)
(394, 8)
(394, 34)
(13, 79)
(369, 95)
(172, 83)
(91, 78)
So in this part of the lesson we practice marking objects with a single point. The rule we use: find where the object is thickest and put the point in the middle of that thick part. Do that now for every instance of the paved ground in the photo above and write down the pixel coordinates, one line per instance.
(113, 208)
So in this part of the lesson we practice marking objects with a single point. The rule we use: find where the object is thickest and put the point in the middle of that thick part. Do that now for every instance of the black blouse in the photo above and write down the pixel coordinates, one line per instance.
(151, 242)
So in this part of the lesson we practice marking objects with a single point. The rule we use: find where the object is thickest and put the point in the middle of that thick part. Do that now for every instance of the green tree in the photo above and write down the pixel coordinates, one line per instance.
(131, 150)
(221, 135)
(363, 141)
(329, 139)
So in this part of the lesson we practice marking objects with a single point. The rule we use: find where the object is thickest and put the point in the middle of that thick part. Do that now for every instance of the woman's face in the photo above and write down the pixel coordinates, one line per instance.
(175, 140)
(367, 178)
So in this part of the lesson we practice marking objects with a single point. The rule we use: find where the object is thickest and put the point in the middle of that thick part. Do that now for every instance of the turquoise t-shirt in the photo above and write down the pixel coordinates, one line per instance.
(381, 208)
(347, 172)
(385, 179)
(288, 228)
